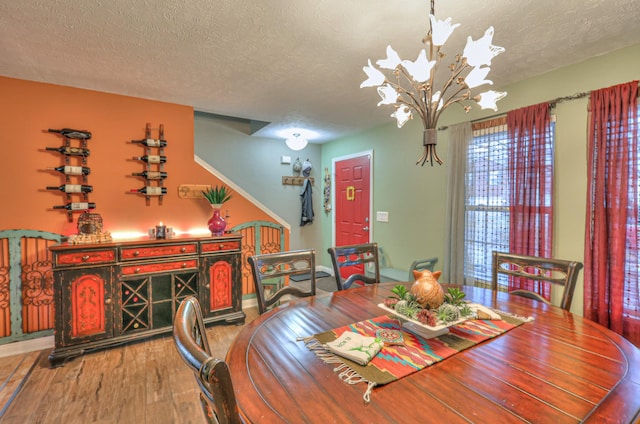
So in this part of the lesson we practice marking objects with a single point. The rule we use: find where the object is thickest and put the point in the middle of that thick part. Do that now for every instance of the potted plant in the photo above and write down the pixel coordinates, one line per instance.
(216, 196)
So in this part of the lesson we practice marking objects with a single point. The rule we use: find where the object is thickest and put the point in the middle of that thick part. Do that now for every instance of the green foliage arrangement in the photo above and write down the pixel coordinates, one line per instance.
(218, 195)
(454, 296)
(453, 308)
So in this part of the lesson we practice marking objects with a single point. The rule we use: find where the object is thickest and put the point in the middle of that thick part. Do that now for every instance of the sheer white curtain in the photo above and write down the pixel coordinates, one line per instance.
(486, 199)
(460, 137)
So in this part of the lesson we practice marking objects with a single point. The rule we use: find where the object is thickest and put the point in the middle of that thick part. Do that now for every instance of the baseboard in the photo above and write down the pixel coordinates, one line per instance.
(325, 269)
(251, 302)
(17, 348)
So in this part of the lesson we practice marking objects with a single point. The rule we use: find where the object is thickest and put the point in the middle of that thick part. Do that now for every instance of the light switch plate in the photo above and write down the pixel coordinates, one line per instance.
(285, 160)
(382, 216)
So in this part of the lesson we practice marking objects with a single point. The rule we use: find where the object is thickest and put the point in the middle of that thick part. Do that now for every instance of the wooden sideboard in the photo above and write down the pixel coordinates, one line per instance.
(112, 293)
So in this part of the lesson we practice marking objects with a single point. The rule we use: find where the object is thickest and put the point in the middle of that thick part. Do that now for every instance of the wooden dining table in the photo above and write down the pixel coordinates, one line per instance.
(557, 368)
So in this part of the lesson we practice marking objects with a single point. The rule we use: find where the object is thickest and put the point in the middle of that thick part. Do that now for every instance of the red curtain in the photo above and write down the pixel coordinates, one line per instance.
(611, 236)
(530, 188)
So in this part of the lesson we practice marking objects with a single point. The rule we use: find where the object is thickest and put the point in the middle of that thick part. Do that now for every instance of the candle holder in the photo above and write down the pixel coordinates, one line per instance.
(161, 231)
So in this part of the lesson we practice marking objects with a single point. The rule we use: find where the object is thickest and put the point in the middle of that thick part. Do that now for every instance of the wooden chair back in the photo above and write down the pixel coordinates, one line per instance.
(275, 266)
(217, 397)
(556, 271)
(356, 254)
(421, 265)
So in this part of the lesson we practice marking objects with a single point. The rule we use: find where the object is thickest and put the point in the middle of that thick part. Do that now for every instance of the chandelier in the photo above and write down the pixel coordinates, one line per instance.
(411, 85)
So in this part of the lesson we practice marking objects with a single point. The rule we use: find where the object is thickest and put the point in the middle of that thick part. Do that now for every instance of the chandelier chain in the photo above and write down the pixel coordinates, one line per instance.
(433, 12)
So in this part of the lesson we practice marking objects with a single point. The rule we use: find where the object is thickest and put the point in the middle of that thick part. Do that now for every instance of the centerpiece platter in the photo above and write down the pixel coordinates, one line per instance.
(428, 319)
(424, 330)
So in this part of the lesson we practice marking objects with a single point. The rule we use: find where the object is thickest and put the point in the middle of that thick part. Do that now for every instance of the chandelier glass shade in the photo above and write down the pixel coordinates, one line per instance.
(411, 86)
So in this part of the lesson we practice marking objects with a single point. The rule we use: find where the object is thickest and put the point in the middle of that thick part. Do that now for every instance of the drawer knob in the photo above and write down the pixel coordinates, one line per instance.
(137, 270)
(221, 246)
(184, 265)
(136, 253)
(107, 301)
(85, 258)
(184, 249)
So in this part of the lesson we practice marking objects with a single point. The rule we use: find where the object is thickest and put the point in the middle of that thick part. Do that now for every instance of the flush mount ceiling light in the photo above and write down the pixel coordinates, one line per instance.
(295, 142)
(411, 88)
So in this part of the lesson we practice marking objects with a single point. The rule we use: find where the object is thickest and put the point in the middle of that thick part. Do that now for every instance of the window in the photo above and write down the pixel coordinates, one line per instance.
(489, 193)
(486, 202)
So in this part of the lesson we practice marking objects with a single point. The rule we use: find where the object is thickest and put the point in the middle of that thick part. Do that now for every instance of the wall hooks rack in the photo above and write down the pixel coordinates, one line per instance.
(297, 181)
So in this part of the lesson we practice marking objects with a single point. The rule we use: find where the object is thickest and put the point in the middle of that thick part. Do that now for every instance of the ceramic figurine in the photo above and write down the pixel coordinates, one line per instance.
(428, 292)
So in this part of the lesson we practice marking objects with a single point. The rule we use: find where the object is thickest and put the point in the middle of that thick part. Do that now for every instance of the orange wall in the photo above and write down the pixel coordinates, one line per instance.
(28, 109)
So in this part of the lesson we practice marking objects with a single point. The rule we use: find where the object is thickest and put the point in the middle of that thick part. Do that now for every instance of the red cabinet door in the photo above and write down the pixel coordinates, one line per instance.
(222, 288)
(88, 309)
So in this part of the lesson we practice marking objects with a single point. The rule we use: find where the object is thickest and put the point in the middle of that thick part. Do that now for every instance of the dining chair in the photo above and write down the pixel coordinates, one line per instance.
(421, 265)
(365, 255)
(217, 396)
(556, 271)
(277, 266)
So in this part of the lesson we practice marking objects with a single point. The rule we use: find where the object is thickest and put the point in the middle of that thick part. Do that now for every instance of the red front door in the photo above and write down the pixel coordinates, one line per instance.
(352, 197)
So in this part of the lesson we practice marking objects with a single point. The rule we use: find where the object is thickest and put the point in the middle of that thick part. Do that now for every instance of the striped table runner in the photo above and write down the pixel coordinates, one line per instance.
(415, 353)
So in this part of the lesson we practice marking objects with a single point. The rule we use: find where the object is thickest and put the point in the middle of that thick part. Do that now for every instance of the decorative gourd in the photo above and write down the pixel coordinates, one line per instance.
(428, 292)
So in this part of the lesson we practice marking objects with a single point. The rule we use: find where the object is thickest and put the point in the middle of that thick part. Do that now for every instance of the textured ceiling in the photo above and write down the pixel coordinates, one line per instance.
(292, 63)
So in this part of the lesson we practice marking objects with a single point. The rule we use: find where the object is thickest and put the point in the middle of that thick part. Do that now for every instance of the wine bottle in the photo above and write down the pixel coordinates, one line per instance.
(70, 151)
(151, 158)
(77, 206)
(151, 175)
(72, 188)
(151, 191)
(151, 142)
(71, 133)
(71, 170)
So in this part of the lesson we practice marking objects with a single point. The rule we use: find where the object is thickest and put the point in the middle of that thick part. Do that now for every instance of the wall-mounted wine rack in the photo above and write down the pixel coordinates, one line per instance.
(75, 171)
(154, 160)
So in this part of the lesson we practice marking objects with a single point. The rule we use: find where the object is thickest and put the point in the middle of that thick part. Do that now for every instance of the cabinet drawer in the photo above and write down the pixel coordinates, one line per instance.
(219, 246)
(140, 252)
(159, 267)
(86, 257)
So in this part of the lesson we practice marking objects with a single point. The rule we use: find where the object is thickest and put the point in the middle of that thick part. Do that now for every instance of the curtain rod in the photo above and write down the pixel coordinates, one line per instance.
(552, 104)
(486, 118)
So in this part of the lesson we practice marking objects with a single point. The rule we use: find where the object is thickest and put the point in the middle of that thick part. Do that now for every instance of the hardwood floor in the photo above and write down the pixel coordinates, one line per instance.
(144, 382)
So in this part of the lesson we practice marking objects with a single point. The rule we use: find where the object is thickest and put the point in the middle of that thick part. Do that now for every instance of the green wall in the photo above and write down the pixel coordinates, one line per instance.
(252, 164)
(415, 196)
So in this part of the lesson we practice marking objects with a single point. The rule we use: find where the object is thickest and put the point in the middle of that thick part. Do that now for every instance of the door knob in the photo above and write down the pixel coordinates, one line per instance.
(365, 228)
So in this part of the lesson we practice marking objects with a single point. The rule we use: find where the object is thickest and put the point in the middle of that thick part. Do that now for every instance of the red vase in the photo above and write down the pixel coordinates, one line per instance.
(217, 224)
